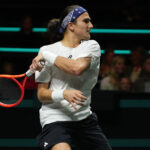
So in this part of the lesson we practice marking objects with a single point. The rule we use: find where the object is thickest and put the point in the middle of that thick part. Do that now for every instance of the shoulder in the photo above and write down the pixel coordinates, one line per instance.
(49, 47)
(93, 47)
(91, 43)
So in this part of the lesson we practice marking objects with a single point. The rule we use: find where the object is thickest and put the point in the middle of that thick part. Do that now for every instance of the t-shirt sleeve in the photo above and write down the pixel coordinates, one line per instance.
(91, 49)
(44, 76)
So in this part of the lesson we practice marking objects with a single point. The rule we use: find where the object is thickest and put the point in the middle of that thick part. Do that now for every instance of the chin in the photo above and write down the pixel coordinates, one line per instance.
(88, 38)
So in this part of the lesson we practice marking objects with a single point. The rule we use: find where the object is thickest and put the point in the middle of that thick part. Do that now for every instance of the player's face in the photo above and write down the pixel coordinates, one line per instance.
(83, 26)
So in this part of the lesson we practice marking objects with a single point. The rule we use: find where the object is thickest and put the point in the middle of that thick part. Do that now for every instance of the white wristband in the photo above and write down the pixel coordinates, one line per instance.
(57, 95)
(49, 57)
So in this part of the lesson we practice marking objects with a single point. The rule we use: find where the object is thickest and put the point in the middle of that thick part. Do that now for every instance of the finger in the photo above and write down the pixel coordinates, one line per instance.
(34, 66)
(40, 65)
(81, 97)
(78, 103)
(78, 98)
(74, 106)
(37, 67)
(31, 68)
(34, 61)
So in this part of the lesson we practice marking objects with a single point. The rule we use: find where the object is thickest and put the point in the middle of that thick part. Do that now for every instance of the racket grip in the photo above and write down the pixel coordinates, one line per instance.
(29, 73)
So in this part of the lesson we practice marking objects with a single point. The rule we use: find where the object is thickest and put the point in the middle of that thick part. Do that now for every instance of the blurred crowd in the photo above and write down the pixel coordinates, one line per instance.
(130, 73)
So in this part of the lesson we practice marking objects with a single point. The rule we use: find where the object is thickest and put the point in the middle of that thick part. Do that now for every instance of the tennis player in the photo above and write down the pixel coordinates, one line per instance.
(65, 84)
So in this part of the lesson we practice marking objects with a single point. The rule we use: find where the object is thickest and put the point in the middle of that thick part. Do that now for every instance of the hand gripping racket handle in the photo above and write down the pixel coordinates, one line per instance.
(29, 73)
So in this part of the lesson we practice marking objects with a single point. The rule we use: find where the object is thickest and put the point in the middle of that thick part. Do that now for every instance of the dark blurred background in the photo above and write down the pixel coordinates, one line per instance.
(121, 96)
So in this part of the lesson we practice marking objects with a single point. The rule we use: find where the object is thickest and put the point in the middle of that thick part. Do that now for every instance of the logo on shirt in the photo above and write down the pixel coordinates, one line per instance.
(70, 56)
(45, 144)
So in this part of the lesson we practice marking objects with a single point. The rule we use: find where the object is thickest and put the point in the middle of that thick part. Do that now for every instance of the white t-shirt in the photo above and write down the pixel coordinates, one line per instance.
(63, 110)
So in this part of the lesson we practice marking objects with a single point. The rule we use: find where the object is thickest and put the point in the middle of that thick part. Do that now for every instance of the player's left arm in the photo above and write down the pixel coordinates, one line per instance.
(75, 67)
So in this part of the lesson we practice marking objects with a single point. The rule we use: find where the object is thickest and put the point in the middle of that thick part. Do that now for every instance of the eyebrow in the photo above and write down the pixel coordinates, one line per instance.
(87, 19)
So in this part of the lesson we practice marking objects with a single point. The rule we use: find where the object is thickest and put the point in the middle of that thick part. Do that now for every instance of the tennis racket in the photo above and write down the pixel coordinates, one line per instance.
(11, 89)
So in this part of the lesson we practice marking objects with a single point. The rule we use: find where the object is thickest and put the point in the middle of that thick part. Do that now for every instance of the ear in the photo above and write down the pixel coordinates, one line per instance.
(70, 26)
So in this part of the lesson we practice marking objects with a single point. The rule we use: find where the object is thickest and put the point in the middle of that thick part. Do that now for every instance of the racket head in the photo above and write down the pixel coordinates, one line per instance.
(11, 90)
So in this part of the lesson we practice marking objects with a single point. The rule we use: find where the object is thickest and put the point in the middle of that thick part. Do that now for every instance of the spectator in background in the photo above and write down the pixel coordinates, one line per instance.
(26, 37)
(117, 70)
(142, 84)
(131, 12)
(7, 68)
(106, 62)
(125, 84)
(136, 60)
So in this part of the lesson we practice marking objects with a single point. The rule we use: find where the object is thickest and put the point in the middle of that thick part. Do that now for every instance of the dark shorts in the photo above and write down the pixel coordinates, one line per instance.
(80, 135)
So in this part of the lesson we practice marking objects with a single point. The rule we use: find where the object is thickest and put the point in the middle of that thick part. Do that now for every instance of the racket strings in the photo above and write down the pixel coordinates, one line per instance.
(9, 91)
(2, 97)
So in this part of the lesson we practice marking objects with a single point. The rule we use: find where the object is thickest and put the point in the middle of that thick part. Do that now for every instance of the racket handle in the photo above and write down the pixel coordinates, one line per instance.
(29, 73)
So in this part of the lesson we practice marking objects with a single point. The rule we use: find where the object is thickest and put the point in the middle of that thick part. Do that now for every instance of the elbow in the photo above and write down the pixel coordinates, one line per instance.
(40, 97)
(77, 71)
(79, 68)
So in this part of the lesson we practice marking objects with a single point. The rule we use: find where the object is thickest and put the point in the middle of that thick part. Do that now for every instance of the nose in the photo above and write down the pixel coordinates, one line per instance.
(90, 25)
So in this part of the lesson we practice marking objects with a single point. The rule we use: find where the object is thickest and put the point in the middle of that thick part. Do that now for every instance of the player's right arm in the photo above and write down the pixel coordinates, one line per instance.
(76, 67)
(72, 96)
(43, 93)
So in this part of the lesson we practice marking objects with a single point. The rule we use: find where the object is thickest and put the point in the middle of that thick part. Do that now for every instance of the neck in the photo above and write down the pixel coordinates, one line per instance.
(70, 40)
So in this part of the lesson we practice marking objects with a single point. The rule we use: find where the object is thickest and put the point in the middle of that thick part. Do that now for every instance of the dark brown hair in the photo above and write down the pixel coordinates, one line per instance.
(55, 24)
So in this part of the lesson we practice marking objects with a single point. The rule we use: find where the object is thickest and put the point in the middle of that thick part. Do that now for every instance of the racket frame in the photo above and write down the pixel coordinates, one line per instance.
(21, 86)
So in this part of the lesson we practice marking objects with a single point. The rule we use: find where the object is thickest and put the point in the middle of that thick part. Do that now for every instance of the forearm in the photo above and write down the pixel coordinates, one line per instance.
(68, 65)
(71, 66)
(50, 96)
(44, 95)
